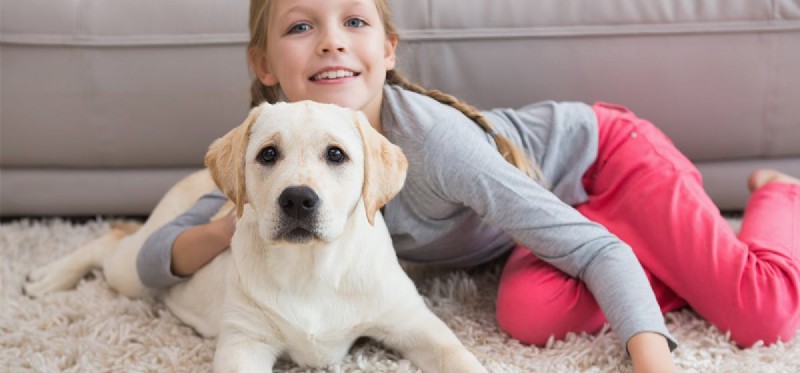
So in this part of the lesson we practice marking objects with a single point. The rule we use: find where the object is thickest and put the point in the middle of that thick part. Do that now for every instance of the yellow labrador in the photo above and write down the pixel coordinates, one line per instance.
(311, 266)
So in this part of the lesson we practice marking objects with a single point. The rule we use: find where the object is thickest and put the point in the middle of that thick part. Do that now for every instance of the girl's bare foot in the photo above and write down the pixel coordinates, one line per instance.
(764, 176)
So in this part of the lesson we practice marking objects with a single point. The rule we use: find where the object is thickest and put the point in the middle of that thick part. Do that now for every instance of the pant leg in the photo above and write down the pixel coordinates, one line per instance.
(644, 191)
(536, 300)
(748, 285)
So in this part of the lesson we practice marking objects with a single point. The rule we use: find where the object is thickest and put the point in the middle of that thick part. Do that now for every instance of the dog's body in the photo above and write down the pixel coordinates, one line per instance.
(312, 266)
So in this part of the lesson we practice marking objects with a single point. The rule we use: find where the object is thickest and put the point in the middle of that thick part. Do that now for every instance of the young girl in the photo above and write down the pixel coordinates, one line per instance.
(616, 191)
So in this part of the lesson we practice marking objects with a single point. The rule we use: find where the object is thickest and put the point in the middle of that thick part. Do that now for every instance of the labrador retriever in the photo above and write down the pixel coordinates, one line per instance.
(311, 266)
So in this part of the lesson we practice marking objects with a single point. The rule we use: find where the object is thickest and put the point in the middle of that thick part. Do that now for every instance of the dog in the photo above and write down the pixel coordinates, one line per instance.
(311, 266)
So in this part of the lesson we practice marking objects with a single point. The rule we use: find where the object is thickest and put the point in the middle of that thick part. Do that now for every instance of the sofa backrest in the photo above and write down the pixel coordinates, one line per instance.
(720, 77)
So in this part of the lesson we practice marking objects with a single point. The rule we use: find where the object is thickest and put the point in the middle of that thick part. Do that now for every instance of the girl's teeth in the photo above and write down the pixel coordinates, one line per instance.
(333, 74)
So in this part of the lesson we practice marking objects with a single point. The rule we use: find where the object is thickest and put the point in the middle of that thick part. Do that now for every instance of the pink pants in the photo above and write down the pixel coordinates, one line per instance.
(648, 194)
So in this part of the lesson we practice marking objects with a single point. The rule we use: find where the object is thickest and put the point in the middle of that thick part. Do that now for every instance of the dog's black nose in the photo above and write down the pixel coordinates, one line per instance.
(298, 202)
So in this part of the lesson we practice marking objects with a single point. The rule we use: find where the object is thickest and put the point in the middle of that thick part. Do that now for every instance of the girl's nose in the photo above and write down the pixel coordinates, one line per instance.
(331, 41)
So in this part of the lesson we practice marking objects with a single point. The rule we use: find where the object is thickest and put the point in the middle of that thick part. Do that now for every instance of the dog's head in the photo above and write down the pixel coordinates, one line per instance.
(304, 167)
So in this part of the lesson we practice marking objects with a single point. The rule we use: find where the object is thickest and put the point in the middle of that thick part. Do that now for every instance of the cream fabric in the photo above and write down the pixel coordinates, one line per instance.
(122, 86)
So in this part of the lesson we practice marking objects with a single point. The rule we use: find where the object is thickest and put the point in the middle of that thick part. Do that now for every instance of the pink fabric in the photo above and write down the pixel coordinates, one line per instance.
(647, 193)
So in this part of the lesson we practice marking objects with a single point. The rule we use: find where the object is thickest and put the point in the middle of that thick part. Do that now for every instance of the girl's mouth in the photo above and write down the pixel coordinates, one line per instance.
(334, 75)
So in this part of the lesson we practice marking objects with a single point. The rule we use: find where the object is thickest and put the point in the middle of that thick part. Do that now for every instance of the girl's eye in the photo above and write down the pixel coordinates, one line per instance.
(298, 28)
(355, 22)
(336, 155)
(268, 155)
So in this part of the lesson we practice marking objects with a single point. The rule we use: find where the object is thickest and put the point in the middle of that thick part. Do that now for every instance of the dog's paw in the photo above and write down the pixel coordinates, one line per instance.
(56, 276)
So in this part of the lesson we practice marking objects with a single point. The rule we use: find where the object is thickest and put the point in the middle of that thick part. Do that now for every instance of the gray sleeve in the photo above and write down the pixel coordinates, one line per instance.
(154, 262)
(464, 168)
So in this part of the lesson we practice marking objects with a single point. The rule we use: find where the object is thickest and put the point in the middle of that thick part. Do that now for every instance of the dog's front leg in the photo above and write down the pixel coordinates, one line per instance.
(240, 353)
(428, 342)
(248, 341)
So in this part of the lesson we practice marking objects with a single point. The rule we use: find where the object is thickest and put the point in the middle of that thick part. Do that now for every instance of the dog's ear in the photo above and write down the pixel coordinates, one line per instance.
(385, 167)
(225, 160)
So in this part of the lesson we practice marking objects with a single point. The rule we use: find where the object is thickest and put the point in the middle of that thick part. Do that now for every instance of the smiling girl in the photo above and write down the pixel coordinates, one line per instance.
(560, 186)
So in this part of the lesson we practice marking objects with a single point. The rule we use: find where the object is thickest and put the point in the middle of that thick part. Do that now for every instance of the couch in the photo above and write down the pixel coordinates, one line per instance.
(105, 104)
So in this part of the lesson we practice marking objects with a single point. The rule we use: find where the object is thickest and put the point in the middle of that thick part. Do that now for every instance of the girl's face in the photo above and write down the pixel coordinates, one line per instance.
(331, 51)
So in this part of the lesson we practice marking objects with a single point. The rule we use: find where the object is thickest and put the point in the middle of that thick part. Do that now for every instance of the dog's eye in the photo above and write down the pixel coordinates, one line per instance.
(268, 155)
(336, 155)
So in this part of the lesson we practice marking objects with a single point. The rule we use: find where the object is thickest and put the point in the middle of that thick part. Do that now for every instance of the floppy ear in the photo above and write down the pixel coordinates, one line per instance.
(225, 160)
(385, 167)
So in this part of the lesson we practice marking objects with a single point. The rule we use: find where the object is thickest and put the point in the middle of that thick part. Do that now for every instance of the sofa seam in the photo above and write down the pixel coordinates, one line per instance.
(429, 34)
(592, 31)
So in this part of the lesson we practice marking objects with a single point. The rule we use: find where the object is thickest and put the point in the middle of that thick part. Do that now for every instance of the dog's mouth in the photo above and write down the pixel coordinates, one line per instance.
(296, 233)
(299, 235)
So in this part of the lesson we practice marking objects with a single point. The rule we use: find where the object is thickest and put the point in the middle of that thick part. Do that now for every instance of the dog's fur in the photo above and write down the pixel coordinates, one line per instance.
(304, 284)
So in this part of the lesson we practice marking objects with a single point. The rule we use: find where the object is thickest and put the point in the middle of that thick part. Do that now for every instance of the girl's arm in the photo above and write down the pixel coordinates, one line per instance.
(465, 169)
(198, 245)
(190, 237)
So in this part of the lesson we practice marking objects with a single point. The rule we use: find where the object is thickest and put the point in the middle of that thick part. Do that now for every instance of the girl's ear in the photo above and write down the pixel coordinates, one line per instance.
(258, 61)
(389, 53)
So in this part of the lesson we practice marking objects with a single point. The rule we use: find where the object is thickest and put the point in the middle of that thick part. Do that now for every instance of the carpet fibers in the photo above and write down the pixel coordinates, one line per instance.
(93, 329)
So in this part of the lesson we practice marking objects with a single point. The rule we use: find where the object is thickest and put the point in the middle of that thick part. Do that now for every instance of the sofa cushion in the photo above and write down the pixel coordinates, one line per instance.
(720, 77)
(548, 17)
(123, 23)
(131, 84)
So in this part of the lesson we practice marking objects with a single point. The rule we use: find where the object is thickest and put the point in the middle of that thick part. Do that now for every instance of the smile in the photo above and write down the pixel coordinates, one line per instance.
(334, 74)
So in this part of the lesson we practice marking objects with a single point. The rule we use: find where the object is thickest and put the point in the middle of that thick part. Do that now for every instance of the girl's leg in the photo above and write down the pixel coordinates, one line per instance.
(536, 300)
(647, 193)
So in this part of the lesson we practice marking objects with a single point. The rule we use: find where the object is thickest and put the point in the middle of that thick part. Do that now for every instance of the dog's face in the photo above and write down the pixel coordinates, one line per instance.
(304, 171)
(304, 167)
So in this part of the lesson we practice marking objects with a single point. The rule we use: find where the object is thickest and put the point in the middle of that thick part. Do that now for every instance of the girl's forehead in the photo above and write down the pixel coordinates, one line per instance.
(286, 6)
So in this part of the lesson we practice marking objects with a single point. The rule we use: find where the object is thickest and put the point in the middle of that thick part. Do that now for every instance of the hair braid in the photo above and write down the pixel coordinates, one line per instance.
(260, 93)
(507, 149)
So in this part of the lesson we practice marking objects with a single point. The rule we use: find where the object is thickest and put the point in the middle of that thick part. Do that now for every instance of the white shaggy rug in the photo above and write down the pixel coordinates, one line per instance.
(93, 329)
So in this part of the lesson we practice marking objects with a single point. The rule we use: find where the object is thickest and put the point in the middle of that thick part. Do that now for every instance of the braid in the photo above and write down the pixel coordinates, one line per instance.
(507, 149)
(260, 93)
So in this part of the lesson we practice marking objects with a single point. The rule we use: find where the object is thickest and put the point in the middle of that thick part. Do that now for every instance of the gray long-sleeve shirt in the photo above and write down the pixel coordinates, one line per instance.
(463, 204)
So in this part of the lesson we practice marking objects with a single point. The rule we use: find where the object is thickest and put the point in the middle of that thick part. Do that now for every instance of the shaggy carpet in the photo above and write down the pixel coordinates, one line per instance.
(93, 329)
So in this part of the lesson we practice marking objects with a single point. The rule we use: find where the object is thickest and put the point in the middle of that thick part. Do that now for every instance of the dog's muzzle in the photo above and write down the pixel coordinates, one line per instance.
(298, 206)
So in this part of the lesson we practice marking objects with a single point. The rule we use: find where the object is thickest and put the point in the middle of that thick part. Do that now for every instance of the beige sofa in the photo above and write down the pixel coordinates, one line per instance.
(105, 104)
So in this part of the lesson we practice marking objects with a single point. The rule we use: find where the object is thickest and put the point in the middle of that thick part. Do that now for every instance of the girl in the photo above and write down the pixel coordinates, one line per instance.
(606, 170)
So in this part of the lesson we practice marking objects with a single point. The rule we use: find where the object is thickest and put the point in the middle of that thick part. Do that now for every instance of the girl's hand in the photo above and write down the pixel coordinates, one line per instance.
(224, 228)
(650, 353)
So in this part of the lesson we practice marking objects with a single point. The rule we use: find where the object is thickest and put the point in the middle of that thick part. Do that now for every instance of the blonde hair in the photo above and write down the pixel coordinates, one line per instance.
(259, 16)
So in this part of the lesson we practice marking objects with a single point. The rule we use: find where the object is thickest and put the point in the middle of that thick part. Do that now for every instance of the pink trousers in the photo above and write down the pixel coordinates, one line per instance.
(647, 193)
